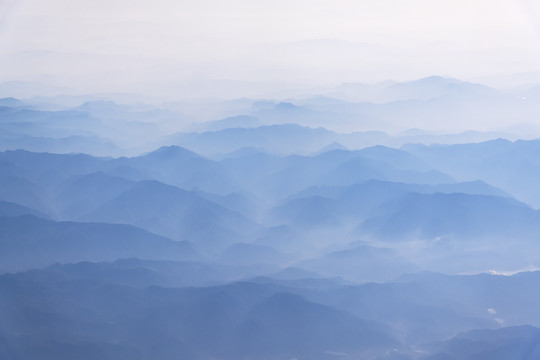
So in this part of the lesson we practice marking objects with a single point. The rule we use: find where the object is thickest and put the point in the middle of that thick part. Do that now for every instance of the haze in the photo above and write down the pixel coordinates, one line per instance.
(269, 180)
(188, 49)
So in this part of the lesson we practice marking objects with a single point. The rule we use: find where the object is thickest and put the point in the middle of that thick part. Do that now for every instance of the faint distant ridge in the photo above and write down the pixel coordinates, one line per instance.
(239, 121)
(272, 138)
(26, 89)
(111, 106)
(437, 86)
(427, 88)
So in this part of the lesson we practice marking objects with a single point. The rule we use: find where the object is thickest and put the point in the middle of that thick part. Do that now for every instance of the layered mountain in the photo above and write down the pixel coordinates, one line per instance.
(517, 342)
(240, 320)
(511, 166)
(175, 213)
(455, 215)
(176, 166)
(361, 263)
(28, 242)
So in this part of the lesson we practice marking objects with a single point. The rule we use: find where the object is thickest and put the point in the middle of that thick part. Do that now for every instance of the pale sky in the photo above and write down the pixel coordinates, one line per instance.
(165, 45)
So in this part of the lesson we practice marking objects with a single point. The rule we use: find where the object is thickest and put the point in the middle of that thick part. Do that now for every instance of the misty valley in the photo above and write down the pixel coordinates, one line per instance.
(361, 222)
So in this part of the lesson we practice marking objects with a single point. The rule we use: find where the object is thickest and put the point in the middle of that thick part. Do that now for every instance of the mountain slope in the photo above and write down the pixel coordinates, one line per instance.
(175, 213)
(30, 242)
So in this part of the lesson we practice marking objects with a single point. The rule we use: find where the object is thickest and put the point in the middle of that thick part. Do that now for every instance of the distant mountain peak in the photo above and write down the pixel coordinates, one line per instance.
(333, 146)
(439, 82)
(98, 104)
(437, 79)
(286, 106)
(171, 151)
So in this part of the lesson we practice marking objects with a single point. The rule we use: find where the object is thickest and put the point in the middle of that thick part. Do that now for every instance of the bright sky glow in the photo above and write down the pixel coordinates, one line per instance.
(120, 45)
